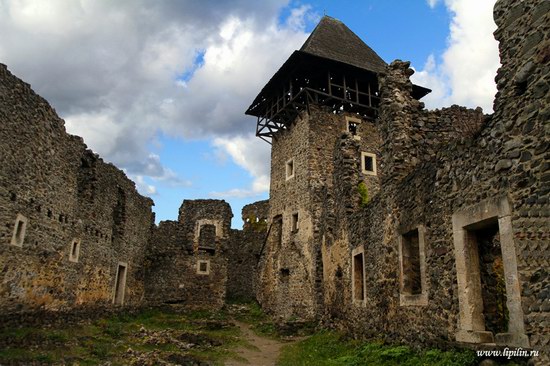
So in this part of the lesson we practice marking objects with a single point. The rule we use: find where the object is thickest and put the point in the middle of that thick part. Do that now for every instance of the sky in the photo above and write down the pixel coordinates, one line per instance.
(159, 88)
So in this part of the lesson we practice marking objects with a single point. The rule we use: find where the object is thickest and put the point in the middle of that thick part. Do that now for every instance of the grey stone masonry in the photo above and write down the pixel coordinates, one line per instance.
(448, 243)
(187, 262)
(244, 252)
(476, 198)
(55, 193)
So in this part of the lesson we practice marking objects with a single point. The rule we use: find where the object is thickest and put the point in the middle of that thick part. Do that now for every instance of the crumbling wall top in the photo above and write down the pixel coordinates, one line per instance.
(255, 215)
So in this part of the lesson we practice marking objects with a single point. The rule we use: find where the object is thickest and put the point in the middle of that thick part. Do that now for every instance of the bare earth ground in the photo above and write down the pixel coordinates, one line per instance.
(264, 351)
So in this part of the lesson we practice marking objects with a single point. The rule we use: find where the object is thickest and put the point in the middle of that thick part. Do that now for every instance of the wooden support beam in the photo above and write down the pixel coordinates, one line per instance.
(345, 89)
(369, 94)
(290, 89)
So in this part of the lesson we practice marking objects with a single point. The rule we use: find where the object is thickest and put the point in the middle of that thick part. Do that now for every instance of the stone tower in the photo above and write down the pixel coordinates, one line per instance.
(325, 92)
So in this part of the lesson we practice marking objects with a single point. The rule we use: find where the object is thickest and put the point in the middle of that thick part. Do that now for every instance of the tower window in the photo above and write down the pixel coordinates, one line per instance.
(358, 276)
(368, 163)
(294, 222)
(352, 126)
(19, 230)
(203, 267)
(289, 169)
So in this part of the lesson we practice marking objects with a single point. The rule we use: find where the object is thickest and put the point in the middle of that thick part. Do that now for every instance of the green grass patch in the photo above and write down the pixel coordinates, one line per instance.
(263, 325)
(327, 348)
(159, 332)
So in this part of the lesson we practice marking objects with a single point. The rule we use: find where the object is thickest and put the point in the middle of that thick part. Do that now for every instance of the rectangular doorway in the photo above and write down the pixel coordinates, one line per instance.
(489, 289)
(120, 284)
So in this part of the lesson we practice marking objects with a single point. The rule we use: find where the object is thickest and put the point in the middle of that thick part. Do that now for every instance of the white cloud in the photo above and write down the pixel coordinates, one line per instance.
(113, 70)
(142, 186)
(253, 155)
(466, 73)
(432, 3)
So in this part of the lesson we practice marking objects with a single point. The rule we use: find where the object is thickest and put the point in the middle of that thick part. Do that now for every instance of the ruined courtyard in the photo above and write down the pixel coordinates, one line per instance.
(429, 227)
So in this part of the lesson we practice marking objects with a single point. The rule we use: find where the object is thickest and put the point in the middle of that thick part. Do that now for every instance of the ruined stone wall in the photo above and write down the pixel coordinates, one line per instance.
(164, 263)
(53, 193)
(244, 252)
(496, 177)
(187, 262)
(76, 237)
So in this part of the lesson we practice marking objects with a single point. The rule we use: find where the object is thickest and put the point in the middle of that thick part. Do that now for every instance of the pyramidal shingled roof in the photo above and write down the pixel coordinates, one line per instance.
(332, 39)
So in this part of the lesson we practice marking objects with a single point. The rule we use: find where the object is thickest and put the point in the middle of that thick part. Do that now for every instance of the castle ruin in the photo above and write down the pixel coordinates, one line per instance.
(384, 218)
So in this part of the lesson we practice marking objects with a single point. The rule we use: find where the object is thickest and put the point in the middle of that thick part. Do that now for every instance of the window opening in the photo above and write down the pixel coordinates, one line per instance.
(207, 238)
(358, 277)
(294, 223)
(203, 267)
(352, 128)
(19, 231)
(290, 169)
(368, 163)
(75, 250)
(411, 283)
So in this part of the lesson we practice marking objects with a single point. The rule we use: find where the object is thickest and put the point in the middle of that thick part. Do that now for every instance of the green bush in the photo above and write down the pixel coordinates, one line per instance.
(364, 193)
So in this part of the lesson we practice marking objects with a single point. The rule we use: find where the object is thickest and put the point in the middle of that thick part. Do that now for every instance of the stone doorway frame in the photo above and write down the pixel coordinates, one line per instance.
(471, 327)
(119, 289)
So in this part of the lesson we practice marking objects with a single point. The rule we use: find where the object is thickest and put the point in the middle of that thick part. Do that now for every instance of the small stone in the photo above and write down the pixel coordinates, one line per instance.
(540, 89)
(512, 144)
(525, 156)
(513, 154)
(503, 164)
(524, 72)
(529, 125)
(531, 42)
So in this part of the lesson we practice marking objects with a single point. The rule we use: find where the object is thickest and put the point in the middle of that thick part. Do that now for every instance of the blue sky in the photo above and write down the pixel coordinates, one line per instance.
(160, 88)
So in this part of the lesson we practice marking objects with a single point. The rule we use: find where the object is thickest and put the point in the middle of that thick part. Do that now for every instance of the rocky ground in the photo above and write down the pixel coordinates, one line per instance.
(237, 335)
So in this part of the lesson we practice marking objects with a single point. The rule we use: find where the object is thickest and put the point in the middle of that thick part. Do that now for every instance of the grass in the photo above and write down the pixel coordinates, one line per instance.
(327, 348)
(163, 334)
(252, 314)
(263, 325)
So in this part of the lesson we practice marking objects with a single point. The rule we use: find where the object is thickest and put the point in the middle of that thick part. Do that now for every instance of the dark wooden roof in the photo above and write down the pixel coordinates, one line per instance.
(332, 39)
(331, 45)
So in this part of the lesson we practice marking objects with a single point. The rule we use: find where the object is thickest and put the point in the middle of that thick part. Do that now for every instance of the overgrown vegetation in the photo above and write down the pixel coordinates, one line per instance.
(364, 193)
(263, 325)
(150, 337)
(256, 223)
(331, 349)
(158, 336)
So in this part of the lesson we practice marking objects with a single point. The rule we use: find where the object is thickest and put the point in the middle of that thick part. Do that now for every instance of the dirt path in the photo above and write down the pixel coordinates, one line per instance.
(264, 352)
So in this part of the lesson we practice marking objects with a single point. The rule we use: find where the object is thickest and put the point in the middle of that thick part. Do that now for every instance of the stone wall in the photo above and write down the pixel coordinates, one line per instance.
(495, 178)
(68, 218)
(187, 262)
(244, 252)
(77, 238)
